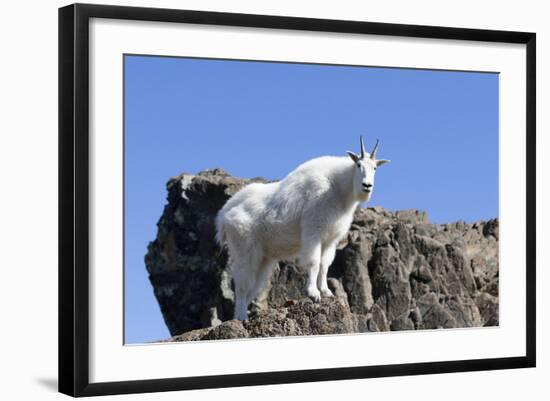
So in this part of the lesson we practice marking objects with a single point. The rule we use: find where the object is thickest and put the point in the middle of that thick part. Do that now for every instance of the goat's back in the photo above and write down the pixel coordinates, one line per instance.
(274, 212)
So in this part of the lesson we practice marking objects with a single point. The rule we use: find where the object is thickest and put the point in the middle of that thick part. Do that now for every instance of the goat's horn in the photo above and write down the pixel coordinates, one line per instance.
(373, 153)
(362, 147)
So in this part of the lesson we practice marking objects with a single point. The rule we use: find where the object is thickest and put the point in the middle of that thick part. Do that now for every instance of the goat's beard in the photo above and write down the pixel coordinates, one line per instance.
(365, 196)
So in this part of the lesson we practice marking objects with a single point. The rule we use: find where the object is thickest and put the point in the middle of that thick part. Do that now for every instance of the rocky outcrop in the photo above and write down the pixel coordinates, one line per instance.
(298, 318)
(394, 271)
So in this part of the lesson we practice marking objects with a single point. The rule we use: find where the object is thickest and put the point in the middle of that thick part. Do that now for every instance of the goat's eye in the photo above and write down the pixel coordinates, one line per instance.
(375, 169)
(359, 165)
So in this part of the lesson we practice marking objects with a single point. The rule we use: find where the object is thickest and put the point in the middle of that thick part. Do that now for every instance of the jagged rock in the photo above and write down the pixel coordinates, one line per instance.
(393, 271)
(378, 321)
(337, 288)
(330, 316)
(488, 309)
(227, 330)
(434, 315)
(402, 322)
(287, 282)
(350, 266)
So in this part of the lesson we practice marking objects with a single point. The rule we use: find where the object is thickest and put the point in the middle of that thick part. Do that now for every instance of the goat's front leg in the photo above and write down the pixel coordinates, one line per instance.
(326, 260)
(310, 260)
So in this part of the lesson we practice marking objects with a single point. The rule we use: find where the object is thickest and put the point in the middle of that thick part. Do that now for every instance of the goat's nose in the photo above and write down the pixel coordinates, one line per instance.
(367, 186)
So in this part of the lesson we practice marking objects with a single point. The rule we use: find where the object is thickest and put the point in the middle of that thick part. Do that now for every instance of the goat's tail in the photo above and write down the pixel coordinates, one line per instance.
(221, 236)
(220, 229)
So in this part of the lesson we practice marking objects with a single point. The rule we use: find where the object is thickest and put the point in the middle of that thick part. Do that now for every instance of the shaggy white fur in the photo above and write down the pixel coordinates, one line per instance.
(305, 215)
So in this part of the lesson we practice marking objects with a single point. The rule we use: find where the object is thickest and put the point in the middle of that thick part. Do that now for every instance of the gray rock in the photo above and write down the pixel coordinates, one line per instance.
(330, 316)
(433, 313)
(390, 280)
(287, 282)
(402, 322)
(378, 321)
(412, 216)
(487, 305)
(350, 264)
(337, 288)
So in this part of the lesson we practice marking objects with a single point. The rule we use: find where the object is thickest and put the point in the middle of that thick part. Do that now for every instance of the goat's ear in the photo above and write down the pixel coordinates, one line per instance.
(381, 161)
(353, 156)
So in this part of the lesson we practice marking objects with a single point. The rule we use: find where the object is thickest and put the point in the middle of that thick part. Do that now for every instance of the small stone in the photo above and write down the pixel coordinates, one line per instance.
(290, 302)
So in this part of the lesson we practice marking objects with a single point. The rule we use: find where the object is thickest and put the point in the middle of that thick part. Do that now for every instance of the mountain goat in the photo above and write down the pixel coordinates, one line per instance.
(305, 215)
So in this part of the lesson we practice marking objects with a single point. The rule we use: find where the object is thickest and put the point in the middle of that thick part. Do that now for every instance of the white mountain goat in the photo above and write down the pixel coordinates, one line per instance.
(305, 215)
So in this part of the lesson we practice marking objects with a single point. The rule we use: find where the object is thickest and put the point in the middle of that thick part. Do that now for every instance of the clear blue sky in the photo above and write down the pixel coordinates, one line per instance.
(439, 128)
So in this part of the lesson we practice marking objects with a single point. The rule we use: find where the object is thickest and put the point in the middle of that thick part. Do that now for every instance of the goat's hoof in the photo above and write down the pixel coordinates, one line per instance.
(314, 294)
(326, 293)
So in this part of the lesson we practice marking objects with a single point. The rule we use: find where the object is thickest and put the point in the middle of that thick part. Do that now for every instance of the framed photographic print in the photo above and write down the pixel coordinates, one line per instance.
(217, 196)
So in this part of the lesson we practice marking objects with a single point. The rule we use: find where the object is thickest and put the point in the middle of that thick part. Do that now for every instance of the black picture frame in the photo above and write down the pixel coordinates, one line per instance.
(74, 194)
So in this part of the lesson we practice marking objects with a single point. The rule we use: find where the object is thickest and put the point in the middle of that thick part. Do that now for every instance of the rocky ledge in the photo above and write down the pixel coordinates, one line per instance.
(394, 271)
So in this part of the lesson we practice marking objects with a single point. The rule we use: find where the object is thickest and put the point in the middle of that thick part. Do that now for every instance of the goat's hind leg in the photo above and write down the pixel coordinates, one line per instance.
(241, 281)
(263, 274)
(244, 272)
(241, 296)
(241, 302)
